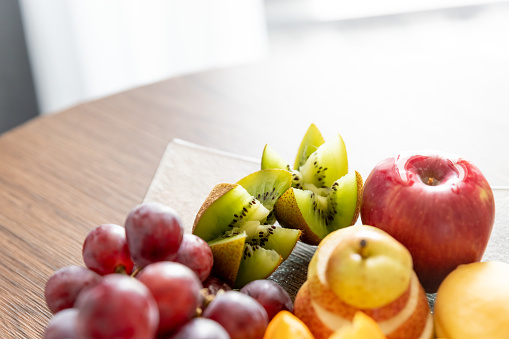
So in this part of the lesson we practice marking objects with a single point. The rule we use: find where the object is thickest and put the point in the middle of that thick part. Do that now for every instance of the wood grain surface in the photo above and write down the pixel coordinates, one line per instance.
(63, 174)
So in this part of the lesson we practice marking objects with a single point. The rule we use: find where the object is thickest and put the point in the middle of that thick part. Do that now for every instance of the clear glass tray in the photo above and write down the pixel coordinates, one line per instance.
(187, 172)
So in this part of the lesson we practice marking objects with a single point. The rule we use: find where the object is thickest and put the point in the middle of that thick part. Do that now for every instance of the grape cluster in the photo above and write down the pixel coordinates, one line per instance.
(147, 279)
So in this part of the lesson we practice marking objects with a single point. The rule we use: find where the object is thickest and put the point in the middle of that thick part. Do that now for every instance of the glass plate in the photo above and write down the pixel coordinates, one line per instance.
(187, 173)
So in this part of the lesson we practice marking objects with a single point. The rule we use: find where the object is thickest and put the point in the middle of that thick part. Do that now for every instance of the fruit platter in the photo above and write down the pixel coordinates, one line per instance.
(269, 249)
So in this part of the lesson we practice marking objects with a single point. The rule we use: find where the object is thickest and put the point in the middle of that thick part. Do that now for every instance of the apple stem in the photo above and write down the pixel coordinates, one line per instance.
(363, 244)
(430, 181)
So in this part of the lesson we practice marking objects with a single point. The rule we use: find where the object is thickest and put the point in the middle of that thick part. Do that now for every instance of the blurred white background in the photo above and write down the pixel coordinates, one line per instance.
(83, 50)
(331, 10)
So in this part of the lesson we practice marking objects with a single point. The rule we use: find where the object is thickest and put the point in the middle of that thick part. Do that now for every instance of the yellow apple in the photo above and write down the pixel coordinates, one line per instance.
(369, 268)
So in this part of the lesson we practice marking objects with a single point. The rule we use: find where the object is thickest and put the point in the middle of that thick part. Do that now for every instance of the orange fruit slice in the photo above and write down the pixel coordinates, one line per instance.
(363, 327)
(285, 325)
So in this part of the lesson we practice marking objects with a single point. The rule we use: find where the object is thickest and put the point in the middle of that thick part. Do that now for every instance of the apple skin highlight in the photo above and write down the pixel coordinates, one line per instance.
(441, 208)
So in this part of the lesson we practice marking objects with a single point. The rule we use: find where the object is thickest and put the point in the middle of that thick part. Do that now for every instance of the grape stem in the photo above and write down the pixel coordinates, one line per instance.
(135, 272)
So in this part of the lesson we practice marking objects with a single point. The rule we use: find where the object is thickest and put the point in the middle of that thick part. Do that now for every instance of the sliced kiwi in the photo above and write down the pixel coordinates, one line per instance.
(326, 165)
(271, 159)
(227, 253)
(310, 143)
(267, 185)
(265, 261)
(318, 214)
(324, 196)
(282, 240)
(318, 163)
(231, 212)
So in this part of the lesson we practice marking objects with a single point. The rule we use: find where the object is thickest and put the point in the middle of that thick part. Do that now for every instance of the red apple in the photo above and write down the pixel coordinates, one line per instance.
(440, 207)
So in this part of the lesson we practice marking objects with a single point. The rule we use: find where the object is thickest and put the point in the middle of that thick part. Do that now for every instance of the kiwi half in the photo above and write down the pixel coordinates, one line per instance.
(324, 196)
(233, 221)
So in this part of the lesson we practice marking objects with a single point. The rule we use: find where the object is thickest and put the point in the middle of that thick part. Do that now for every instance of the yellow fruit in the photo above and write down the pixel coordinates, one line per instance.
(368, 268)
(408, 317)
(401, 313)
(362, 327)
(285, 325)
(473, 302)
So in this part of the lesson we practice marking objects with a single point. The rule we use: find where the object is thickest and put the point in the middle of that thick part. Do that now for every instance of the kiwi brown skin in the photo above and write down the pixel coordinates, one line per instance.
(360, 192)
(227, 258)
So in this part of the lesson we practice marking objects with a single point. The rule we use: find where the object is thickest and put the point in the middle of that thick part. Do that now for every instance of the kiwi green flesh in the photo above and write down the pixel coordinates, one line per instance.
(257, 263)
(267, 185)
(310, 143)
(271, 159)
(326, 165)
(282, 240)
(327, 213)
(228, 212)
(221, 241)
(271, 219)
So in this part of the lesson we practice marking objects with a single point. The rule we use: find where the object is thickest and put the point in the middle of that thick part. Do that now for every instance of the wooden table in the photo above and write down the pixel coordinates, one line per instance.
(63, 174)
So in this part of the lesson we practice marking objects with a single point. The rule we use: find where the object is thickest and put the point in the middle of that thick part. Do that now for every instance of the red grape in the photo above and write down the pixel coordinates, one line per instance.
(195, 253)
(105, 250)
(118, 307)
(201, 328)
(270, 295)
(154, 233)
(176, 289)
(62, 325)
(64, 285)
(240, 315)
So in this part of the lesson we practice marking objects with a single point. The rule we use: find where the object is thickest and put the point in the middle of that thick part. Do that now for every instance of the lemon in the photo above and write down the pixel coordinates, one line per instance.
(473, 302)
